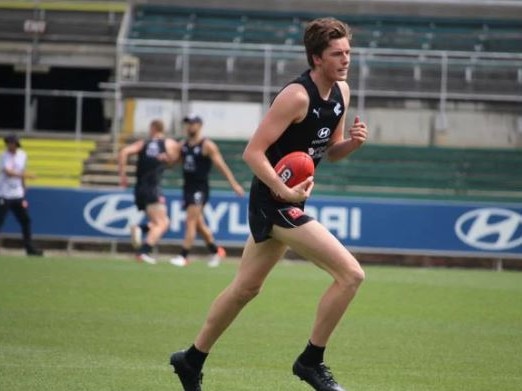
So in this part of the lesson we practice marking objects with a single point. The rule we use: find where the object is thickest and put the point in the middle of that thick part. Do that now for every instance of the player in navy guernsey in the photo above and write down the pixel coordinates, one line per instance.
(197, 156)
(154, 154)
(307, 115)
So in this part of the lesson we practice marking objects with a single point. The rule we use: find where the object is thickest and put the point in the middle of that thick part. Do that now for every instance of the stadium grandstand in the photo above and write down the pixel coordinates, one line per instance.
(81, 69)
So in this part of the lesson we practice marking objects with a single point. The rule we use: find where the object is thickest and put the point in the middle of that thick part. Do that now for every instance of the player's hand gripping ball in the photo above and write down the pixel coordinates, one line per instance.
(294, 168)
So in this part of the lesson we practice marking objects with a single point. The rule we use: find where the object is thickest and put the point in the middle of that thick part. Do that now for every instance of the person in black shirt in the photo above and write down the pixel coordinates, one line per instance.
(198, 153)
(307, 115)
(154, 154)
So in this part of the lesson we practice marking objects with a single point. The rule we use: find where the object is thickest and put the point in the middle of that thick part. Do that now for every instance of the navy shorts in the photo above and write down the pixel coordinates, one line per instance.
(145, 196)
(264, 212)
(195, 194)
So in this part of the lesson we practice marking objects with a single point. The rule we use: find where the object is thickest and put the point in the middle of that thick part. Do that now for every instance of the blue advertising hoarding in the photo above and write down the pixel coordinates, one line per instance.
(370, 225)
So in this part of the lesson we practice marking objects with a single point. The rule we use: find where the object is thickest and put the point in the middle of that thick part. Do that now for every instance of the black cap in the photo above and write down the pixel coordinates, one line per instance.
(192, 119)
(12, 139)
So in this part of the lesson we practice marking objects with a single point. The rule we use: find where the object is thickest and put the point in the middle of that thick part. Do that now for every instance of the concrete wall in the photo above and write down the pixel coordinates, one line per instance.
(467, 125)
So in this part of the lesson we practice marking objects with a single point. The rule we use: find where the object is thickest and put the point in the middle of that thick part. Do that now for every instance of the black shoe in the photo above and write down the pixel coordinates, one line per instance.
(35, 252)
(318, 376)
(190, 378)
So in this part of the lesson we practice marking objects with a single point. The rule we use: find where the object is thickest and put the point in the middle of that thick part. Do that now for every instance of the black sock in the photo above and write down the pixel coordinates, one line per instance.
(145, 248)
(144, 228)
(212, 248)
(184, 252)
(312, 355)
(196, 358)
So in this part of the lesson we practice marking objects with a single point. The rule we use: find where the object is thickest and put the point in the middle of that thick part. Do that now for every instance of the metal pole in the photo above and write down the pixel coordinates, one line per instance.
(79, 115)
(118, 95)
(443, 88)
(267, 78)
(116, 124)
(362, 85)
(28, 86)
(498, 265)
(185, 80)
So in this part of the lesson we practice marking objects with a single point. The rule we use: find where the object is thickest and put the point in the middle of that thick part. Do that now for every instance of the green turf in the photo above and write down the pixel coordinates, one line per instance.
(102, 324)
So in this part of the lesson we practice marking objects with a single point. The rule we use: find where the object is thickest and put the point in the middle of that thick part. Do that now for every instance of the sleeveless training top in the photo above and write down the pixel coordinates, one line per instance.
(149, 169)
(196, 166)
(313, 133)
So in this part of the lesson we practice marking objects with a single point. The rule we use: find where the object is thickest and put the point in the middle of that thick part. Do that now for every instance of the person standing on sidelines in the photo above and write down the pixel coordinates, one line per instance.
(154, 154)
(198, 153)
(307, 115)
(13, 190)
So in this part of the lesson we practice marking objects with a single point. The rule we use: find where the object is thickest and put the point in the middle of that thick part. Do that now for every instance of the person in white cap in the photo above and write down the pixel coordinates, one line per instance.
(198, 153)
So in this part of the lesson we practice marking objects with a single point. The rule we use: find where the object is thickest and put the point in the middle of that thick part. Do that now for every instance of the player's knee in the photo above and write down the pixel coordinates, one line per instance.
(358, 276)
(165, 224)
(352, 277)
(245, 293)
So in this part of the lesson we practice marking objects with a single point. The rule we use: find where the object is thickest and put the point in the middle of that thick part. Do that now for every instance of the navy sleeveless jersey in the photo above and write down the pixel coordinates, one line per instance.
(149, 169)
(196, 166)
(313, 133)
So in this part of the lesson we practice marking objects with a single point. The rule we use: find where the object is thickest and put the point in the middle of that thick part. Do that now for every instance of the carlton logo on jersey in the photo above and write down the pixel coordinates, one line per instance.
(337, 109)
(152, 149)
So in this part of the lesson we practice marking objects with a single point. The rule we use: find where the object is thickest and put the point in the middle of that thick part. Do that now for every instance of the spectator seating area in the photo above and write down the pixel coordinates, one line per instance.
(65, 22)
(469, 42)
(402, 32)
(373, 170)
(56, 162)
(379, 169)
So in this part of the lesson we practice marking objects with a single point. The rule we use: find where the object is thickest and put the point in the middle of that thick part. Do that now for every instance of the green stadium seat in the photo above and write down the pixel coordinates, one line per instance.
(400, 170)
(405, 32)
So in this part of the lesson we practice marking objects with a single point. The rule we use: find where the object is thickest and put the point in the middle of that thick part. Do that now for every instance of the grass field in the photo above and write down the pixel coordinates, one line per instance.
(102, 324)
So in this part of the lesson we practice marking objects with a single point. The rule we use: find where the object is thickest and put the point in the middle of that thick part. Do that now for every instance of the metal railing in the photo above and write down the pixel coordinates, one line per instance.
(262, 69)
(78, 96)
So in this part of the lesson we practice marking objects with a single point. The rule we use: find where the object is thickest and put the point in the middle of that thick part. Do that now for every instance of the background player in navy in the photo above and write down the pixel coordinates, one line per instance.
(12, 190)
(198, 154)
(154, 154)
(306, 112)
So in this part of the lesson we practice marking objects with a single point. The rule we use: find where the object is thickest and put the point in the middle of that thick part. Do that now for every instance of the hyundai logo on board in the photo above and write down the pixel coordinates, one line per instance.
(112, 214)
(490, 228)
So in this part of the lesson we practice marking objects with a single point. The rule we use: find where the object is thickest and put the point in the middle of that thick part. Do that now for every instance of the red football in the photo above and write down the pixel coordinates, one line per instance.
(295, 168)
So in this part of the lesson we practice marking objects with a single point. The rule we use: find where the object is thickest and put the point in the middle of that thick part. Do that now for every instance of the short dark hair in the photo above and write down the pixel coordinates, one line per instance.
(318, 34)
(12, 139)
(158, 125)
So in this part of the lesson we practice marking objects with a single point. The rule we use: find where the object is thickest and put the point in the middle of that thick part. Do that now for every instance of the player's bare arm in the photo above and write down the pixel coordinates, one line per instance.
(172, 154)
(289, 107)
(212, 151)
(339, 146)
(124, 154)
